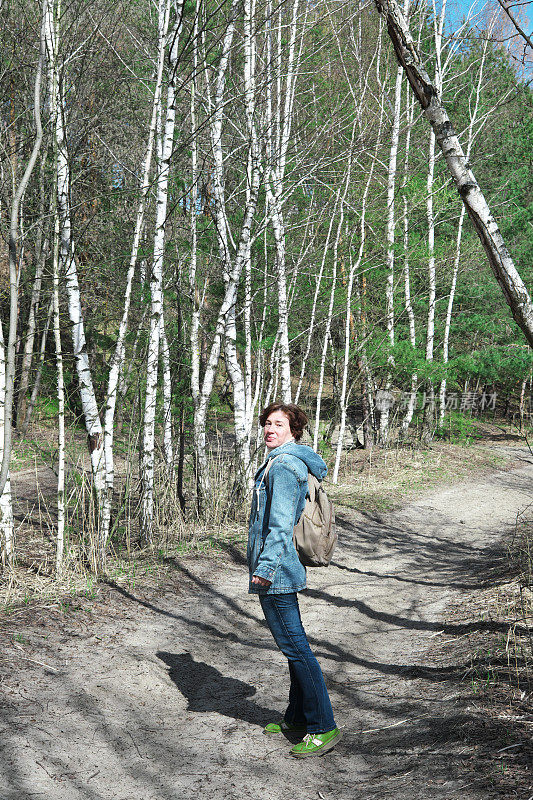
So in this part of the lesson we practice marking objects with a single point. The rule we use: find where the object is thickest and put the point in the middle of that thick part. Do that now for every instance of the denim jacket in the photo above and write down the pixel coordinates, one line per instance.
(276, 507)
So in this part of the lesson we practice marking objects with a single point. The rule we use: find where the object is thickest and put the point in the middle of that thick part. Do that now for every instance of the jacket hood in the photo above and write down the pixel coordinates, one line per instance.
(315, 464)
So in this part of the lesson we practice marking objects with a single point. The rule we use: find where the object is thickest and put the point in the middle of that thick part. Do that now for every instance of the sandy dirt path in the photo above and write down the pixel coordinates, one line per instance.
(165, 701)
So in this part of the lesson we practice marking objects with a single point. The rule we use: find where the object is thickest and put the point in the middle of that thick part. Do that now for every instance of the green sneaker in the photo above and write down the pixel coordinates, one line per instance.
(314, 744)
(283, 727)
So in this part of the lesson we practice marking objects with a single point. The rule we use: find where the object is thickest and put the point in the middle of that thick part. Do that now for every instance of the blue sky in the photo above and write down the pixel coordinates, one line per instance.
(457, 9)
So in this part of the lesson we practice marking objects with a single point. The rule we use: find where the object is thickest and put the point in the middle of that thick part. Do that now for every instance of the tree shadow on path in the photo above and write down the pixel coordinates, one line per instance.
(207, 690)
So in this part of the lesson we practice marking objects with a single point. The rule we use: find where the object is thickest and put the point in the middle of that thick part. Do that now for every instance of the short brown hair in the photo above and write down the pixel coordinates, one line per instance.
(297, 417)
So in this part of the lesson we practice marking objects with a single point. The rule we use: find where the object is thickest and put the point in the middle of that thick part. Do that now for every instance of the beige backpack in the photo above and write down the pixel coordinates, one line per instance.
(314, 534)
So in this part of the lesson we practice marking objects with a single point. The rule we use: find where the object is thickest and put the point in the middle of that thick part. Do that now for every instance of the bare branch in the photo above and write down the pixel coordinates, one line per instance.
(521, 31)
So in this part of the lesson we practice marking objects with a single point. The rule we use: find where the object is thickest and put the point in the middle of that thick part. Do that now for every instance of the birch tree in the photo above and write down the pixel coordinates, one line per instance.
(355, 265)
(438, 27)
(233, 248)
(117, 363)
(60, 535)
(499, 258)
(318, 283)
(280, 91)
(67, 259)
(391, 234)
(335, 264)
(6, 508)
(156, 285)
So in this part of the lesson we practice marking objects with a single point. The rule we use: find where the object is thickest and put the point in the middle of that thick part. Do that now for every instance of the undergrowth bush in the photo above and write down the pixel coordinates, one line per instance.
(459, 428)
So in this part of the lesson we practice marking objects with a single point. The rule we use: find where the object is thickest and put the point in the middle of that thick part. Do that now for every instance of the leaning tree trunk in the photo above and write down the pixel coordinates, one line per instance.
(500, 260)
(14, 268)
(42, 248)
(38, 373)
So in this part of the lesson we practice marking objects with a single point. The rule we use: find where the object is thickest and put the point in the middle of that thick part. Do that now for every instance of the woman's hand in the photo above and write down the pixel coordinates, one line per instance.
(260, 581)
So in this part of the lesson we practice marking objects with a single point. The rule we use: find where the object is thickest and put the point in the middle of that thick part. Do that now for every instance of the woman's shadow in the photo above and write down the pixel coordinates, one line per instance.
(206, 689)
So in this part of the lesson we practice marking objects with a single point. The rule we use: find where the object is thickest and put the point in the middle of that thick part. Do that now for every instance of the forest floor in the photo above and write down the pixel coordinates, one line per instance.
(162, 694)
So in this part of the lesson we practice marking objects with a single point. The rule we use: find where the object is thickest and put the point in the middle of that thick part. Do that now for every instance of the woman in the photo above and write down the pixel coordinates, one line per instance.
(276, 574)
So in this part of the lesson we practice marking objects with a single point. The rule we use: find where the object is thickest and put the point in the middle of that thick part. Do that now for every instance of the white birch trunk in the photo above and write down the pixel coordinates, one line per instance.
(60, 535)
(272, 371)
(168, 438)
(199, 433)
(411, 403)
(232, 265)
(438, 22)
(367, 382)
(449, 309)
(523, 406)
(68, 264)
(215, 113)
(343, 402)
(235, 372)
(248, 399)
(156, 290)
(279, 122)
(430, 337)
(250, 61)
(278, 228)
(260, 360)
(428, 424)
(391, 232)
(117, 362)
(7, 545)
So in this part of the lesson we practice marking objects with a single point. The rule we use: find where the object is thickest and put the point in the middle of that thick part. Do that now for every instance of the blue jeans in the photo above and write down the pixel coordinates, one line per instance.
(309, 703)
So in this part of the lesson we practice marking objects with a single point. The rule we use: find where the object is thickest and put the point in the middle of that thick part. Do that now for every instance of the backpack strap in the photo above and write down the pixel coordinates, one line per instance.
(264, 476)
(313, 486)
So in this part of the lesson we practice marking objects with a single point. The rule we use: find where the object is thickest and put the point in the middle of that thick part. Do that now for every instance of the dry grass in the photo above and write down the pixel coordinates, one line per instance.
(380, 480)
(519, 599)
(24, 585)
(494, 658)
(376, 481)
(32, 579)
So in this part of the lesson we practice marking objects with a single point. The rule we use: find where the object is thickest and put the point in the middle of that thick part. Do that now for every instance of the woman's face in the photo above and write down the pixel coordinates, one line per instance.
(277, 430)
